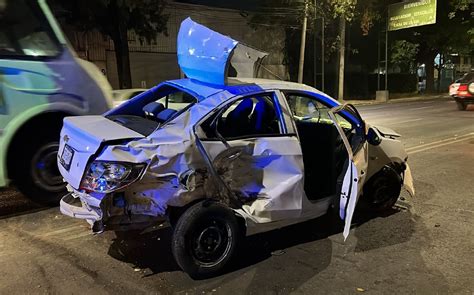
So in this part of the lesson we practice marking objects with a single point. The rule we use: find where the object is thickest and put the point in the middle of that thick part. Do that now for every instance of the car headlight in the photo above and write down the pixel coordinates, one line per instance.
(106, 177)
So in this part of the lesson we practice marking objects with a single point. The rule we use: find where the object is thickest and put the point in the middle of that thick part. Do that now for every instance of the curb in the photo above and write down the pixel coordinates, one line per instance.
(399, 100)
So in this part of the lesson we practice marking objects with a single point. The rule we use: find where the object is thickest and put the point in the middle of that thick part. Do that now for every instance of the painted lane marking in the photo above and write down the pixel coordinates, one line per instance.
(423, 149)
(439, 141)
(421, 108)
(410, 120)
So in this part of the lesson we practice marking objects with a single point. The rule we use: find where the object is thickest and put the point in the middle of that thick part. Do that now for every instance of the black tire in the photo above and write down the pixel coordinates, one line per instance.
(461, 105)
(204, 239)
(381, 192)
(35, 172)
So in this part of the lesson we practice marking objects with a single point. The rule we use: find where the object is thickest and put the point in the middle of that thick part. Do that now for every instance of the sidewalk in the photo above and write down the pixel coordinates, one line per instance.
(402, 99)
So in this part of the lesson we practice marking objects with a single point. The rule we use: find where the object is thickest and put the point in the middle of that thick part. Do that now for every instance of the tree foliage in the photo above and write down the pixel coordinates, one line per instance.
(115, 18)
(452, 33)
(403, 54)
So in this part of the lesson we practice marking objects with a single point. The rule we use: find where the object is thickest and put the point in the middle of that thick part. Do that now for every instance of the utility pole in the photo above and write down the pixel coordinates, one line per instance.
(322, 54)
(386, 55)
(303, 43)
(315, 41)
(342, 53)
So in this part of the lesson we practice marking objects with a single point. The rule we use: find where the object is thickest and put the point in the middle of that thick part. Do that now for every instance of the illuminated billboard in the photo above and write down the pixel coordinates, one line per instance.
(410, 14)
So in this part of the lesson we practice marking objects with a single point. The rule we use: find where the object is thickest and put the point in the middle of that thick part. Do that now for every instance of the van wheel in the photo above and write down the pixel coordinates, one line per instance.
(204, 239)
(382, 191)
(461, 106)
(36, 173)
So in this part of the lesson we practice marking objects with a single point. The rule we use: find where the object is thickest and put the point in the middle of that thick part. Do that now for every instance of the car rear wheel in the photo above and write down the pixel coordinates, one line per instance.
(461, 106)
(204, 239)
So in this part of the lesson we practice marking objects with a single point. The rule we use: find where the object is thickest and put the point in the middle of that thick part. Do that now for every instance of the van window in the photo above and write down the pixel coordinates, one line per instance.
(25, 31)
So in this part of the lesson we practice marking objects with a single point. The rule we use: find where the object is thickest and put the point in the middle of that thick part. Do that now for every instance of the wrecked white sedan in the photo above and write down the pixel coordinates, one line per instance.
(236, 157)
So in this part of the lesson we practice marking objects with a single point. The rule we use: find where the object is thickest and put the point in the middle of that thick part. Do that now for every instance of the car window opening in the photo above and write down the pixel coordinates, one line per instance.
(152, 109)
(25, 33)
(247, 117)
(324, 154)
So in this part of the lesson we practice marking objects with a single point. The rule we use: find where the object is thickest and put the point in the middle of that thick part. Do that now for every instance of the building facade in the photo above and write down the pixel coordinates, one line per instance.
(155, 61)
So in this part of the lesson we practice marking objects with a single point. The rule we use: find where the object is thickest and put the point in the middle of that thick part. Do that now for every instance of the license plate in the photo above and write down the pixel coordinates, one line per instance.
(66, 157)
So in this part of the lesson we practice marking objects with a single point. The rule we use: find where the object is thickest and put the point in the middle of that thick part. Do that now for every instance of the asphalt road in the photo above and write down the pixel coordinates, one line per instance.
(425, 245)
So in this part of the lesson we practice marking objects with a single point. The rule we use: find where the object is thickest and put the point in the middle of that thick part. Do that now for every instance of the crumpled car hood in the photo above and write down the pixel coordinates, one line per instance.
(387, 131)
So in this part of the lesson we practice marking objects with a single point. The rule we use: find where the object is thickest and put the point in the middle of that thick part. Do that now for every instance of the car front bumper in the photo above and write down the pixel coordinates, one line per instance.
(408, 181)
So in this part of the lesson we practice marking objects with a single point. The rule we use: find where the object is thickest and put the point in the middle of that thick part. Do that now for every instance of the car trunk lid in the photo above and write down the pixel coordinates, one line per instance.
(81, 138)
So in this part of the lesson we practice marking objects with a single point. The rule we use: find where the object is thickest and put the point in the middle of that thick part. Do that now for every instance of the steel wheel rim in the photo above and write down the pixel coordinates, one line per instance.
(211, 243)
(44, 168)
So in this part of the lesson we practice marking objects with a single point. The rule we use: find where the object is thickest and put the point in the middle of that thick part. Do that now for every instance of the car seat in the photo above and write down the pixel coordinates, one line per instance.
(165, 115)
(157, 112)
(237, 121)
(152, 109)
(262, 120)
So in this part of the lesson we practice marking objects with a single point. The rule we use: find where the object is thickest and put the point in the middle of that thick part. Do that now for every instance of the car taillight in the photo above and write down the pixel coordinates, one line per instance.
(462, 91)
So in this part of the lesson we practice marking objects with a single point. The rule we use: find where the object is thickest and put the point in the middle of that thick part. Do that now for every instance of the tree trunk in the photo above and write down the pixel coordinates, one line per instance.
(342, 53)
(440, 68)
(123, 58)
(428, 60)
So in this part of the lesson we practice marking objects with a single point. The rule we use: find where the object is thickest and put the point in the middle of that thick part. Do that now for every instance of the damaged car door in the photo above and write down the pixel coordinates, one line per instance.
(354, 139)
(257, 159)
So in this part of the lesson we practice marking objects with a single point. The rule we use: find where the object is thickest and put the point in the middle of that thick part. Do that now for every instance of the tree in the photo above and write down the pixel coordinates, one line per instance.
(344, 10)
(115, 18)
(452, 33)
(403, 54)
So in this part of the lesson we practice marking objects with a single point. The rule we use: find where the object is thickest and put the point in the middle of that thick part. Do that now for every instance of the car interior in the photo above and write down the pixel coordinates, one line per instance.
(247, 117)
(146, 119)
(324, 154)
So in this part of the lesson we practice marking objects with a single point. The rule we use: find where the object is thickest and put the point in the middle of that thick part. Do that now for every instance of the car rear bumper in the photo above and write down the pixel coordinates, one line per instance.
(73, 205)
(468, 100)
(102, 214)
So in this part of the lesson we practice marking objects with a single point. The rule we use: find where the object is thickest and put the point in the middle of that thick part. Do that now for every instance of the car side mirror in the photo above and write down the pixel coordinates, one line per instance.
(373, 137)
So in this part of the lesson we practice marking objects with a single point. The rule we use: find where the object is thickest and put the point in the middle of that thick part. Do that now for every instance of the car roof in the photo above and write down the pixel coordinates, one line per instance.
(239, 86)
(129, 90)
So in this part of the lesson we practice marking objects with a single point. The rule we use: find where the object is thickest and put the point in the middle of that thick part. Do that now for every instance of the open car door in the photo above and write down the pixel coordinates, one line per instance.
(356, 145)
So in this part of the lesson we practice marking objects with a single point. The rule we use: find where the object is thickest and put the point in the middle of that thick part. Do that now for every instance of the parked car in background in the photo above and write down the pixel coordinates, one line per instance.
(122, 95)
(41, 82)
(465, 92)
(238, 156)
(176, 101)
(453, 88)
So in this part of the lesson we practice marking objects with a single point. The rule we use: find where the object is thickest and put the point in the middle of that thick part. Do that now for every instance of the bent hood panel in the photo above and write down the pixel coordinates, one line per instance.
(387, 131)
(85, 135)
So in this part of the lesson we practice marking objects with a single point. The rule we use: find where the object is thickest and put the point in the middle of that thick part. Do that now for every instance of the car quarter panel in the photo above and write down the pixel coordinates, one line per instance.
(265, 171)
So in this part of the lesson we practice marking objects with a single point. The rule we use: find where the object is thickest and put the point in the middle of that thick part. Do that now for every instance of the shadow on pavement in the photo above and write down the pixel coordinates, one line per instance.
(397, 229)
(13, 203)
(297, 252)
